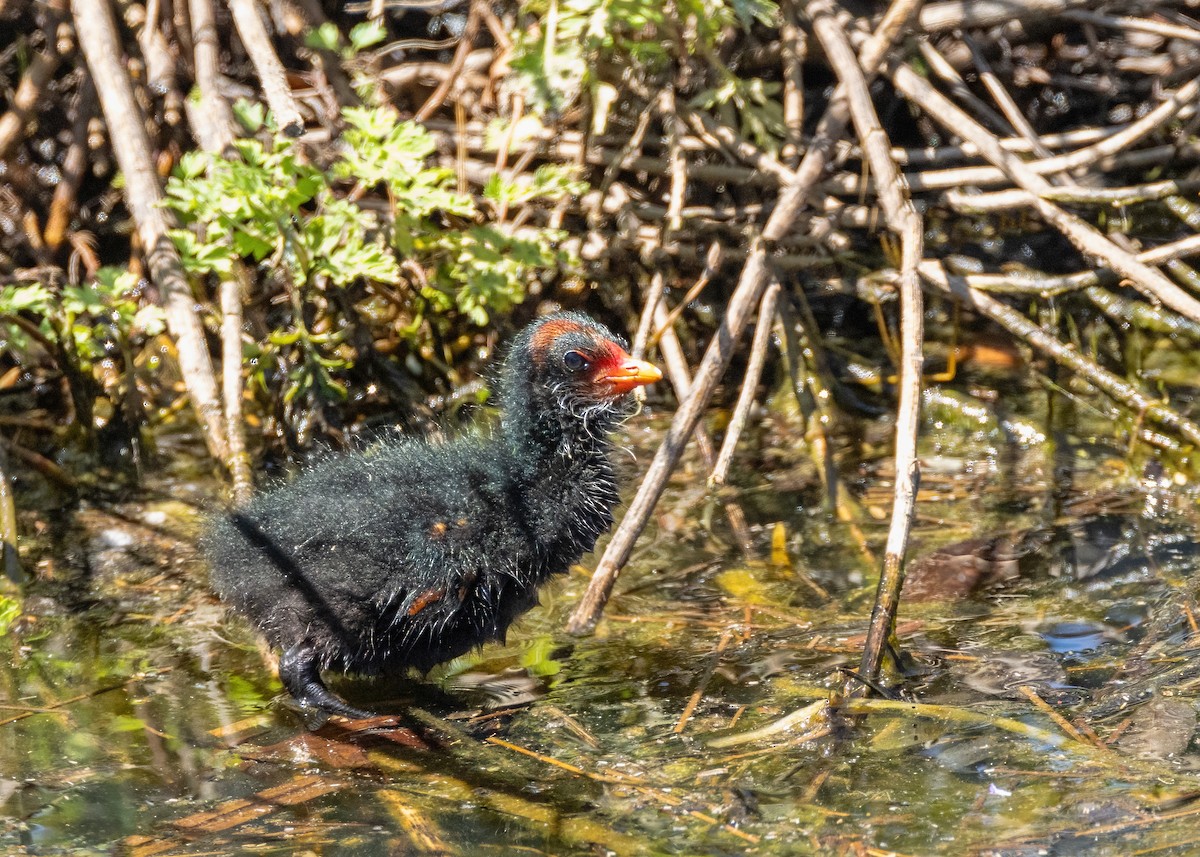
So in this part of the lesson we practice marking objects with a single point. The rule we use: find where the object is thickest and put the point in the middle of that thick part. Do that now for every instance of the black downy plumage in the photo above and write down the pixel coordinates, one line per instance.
(413, 553)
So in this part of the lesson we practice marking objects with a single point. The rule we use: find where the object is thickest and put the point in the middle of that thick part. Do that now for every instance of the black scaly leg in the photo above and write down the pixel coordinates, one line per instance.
(301, 676)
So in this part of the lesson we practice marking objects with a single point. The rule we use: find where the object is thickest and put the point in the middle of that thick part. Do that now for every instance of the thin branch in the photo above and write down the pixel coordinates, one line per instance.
(681, 381)
(1008, 200)
(1008, 106)
(906, 223)
(977, 14)
(793, 44)
(474, 16)
(247, 17)
(231, 365)
(712, 264)
(8, 524)
(1144, 25)
(25, 99)
(741, 411)
(215, 127)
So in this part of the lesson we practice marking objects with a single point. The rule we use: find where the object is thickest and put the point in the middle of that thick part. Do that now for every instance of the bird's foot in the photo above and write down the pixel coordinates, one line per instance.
(301, 675)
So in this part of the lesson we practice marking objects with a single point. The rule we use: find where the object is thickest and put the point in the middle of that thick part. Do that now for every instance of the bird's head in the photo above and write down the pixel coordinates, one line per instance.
(570, 352)
(574, 365)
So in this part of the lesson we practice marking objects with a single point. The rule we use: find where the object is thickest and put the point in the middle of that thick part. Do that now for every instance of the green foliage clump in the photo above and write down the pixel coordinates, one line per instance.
(579, 46)
(10, 611)
(84, 319)
(379, 222)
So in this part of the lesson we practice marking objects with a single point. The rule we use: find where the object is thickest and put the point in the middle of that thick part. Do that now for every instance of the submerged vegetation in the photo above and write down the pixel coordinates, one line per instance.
(960, 233)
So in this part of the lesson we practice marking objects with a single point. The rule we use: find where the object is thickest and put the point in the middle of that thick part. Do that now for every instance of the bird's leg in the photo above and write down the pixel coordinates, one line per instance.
(300, 674)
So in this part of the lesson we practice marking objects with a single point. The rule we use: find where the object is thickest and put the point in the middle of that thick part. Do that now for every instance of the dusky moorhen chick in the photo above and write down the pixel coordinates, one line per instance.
(411, 553)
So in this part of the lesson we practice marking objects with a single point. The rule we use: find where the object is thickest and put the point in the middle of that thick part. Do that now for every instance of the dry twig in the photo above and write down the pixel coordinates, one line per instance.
(8, 524)
(904, 221)
(247, 17)
(213, 122)
(741, 411)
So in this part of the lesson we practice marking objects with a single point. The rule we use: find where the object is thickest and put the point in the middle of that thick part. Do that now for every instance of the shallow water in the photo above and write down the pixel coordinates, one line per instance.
(1046, 708)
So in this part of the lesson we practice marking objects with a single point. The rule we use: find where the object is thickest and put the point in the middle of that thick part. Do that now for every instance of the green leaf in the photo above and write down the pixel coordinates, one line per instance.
(326, 37)
(764, 12)
(366, 34)
(113, 281)
(79, 300)
(192, 165)
(127, 723)
(10, 611)
(34, 298)
(149, 320)
(250, 114)
(247, 244)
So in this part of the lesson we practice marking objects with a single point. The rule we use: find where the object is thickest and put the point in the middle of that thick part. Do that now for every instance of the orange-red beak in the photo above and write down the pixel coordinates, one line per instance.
(625, 373)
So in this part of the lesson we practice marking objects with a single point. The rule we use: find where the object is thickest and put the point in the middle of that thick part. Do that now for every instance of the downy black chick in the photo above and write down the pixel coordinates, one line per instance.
(412, 553)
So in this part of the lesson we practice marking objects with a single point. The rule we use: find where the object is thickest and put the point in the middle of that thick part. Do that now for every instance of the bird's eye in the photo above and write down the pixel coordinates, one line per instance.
(574, 361)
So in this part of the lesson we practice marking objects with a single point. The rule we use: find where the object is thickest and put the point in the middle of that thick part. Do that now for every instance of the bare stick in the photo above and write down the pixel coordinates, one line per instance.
(1007, 200)
(762, 161)
(1145, 25)
(628, 151)
(74, 167)
(887, 597)
(127, 134)
(741, 411)
(971, 14)
(215, 129)
(942, 67)
(231, 371)
(271, 74)
(456, 64)
(712, 264)
(745, 297)
(216, 133)
(903, 220)
(1008, 106)
(793, 43)
(681, 380)
(160, 65)
(676, 163)
(654, 293)
(8, 524)
(29, 90)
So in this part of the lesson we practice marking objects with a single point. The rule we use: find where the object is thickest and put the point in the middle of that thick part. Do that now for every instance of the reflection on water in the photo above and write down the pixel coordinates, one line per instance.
(1045, 706)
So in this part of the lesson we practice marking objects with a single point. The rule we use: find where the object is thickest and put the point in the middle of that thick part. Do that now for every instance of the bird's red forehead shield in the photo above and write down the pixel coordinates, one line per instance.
(621, 373)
